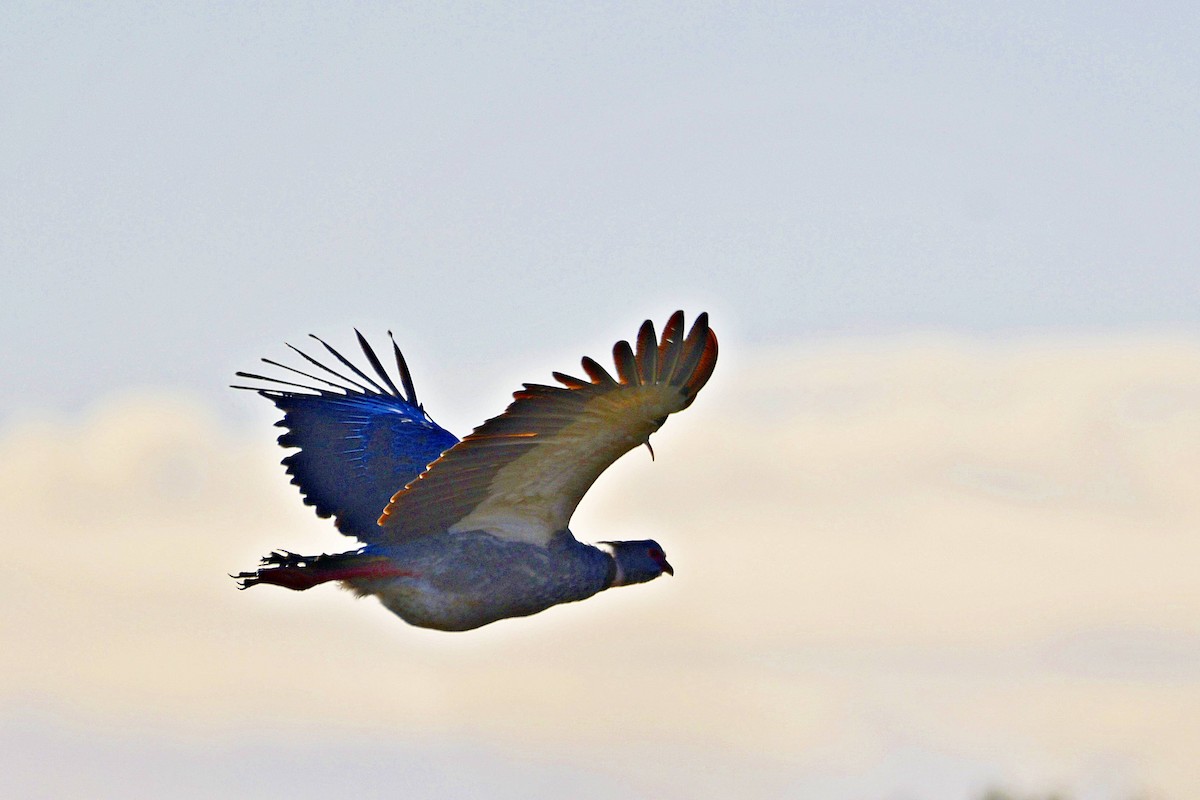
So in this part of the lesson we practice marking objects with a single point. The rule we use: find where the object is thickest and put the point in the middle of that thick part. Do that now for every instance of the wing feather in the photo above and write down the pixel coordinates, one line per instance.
(570, 381)
(596, 372)
(671, 344)
(345, 361)
(647, 353)
(410, 391)
(374, 360)
(626, 363)
(521, 475)
(354, 443)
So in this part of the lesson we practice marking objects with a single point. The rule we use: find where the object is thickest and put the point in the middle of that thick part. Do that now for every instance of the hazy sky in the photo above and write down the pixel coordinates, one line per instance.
(182, 186)
(934, 520)
(902, 571)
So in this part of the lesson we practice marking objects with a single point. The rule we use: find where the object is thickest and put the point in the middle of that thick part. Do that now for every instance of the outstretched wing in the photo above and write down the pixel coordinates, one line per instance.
(520, 475)
(357, 440)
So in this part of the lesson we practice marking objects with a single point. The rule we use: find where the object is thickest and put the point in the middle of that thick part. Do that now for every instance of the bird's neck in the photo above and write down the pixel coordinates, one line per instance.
(616, 576)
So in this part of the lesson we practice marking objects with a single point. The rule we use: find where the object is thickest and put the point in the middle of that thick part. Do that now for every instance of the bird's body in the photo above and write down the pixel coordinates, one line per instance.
(461, 534)
(464, 580)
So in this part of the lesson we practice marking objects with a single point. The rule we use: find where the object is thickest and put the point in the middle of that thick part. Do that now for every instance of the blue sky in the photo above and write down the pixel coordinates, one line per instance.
(181, 187)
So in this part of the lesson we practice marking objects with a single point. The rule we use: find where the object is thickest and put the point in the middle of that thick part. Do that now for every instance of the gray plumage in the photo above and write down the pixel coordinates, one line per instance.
(465, 580)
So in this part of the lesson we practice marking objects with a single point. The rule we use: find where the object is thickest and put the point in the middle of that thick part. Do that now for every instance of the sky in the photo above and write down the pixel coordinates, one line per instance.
(947, 534)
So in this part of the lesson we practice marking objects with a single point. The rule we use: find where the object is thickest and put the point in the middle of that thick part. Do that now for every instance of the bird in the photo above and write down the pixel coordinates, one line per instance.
(457, 534)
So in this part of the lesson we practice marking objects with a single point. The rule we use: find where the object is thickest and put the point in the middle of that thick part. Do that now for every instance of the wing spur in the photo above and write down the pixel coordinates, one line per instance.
(358, 438)
(520, 475)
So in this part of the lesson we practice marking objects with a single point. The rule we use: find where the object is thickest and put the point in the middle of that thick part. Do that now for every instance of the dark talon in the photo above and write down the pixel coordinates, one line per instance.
(245, 579)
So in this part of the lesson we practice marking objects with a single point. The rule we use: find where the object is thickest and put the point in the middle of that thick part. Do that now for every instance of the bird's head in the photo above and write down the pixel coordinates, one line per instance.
(638, 561)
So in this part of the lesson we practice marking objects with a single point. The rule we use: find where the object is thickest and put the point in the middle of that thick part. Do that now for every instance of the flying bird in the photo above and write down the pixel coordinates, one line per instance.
(459, 534)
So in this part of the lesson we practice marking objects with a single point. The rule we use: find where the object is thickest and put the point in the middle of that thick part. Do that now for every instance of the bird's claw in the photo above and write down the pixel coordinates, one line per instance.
(283, 558)
(273, 560)
(245, 579)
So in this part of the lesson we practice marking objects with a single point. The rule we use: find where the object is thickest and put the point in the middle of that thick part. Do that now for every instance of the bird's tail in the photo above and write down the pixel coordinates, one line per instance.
(297, 572)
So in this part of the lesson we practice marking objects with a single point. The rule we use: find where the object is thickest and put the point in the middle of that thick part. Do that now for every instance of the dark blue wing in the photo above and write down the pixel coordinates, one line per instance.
(358, 443)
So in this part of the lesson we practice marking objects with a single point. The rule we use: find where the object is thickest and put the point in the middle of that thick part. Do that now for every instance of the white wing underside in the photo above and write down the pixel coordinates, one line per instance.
(522, 474)
(535, 495)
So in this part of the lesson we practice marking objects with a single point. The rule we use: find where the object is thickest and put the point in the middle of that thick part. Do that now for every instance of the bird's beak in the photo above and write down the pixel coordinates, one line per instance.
(667, 568)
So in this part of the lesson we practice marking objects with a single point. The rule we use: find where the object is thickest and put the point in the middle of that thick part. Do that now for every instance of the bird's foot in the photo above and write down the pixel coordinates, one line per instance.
(283, 568)
(286, 558)
(296, 572)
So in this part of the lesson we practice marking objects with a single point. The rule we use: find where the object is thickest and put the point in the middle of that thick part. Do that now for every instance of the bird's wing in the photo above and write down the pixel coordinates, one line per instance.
(520, 475)
(357, 439)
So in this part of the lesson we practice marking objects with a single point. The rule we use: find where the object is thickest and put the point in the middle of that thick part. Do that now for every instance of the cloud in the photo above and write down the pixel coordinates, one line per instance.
(972, 558)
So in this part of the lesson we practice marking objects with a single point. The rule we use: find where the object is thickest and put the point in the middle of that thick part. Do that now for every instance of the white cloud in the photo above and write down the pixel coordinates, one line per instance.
(981, 556)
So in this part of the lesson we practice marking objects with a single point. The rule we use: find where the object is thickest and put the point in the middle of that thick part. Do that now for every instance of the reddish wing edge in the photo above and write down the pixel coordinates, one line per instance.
(615, 408)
